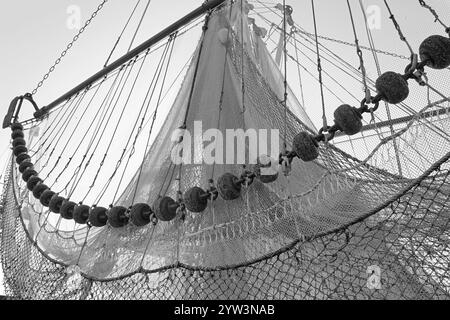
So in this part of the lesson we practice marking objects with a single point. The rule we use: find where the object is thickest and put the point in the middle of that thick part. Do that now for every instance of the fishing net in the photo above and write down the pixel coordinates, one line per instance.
(335, 228)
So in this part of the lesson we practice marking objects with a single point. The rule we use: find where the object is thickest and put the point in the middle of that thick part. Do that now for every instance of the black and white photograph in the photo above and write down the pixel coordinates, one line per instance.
(220, 157)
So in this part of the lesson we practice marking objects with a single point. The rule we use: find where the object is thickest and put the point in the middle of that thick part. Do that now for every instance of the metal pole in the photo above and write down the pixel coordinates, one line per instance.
(208, 5)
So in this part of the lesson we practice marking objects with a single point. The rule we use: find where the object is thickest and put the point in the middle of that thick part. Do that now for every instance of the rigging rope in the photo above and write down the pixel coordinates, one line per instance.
(172, 43)
(243, 43)
(285, 84)
(436, 16)
(302, 31)
(121, 34)
(360, 55)
(69, 46)
(139, 25)
(377, 63)
(319, 68)
(222, 90)
(299, 71)
(399, 30)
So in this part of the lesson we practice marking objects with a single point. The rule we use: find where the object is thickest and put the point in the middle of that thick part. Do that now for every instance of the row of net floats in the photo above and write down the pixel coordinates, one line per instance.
(391, 87)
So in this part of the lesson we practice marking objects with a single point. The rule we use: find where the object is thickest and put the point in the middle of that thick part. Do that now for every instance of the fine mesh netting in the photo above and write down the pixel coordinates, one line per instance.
(406, 239)
(335, 228)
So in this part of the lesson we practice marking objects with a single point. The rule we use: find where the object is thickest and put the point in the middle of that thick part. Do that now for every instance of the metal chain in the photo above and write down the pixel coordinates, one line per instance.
(299, 30)
(353, 45)
(69, 46)
(436, 16)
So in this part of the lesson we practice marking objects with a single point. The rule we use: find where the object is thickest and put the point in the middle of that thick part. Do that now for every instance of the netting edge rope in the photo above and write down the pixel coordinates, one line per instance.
(180, 265)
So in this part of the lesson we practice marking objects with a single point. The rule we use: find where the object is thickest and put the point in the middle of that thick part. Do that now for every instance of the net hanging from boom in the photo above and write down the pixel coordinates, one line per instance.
(94, 206)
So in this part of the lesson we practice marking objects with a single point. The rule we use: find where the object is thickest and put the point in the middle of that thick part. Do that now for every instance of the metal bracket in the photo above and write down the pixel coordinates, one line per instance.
(14, 109)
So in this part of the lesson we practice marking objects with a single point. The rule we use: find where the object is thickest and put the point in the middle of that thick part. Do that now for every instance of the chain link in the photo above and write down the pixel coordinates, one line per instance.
(69, 46)
(353, 45)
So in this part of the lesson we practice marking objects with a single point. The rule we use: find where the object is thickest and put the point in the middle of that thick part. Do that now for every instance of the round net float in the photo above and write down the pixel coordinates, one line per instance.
(305, 146)
(140, 214)
(165, 208)
(98, 217)
(436, 50)
(22, 157)
(348, 119)
(19, 142)
(56, 203)
(81, 214)
(24, 165)
(67, 209)
(393, 87)
(196, 199)
(17, 134)
(19, 149)
(32, 182)
(39, 189)
(117, 217)
(28, 173)
(229, 187)
(224, 37)
(16, 126)
(263, 169)
(46, 196)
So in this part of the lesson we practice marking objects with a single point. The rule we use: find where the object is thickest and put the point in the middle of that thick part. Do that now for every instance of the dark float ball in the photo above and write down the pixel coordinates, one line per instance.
(28, 173)
(393, 87)
(32, 182)
(39, 189)
(305, 146)
(165, 209)
(98, 217)
(45, 197)
(436, 49)
(228, 186)
(118, 217)
(24, 165)
(19, 142)
(140, 214)
(81, 214)
(263, 169)
(16, 126)
(22, 157)
(67, 209)
(17, 134)
(19, 149)
(55, 203)
(348, 119)
(194, 201)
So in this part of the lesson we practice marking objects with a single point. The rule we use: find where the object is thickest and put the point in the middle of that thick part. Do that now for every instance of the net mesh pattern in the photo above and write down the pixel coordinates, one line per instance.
(335, 228)
(406, 241)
